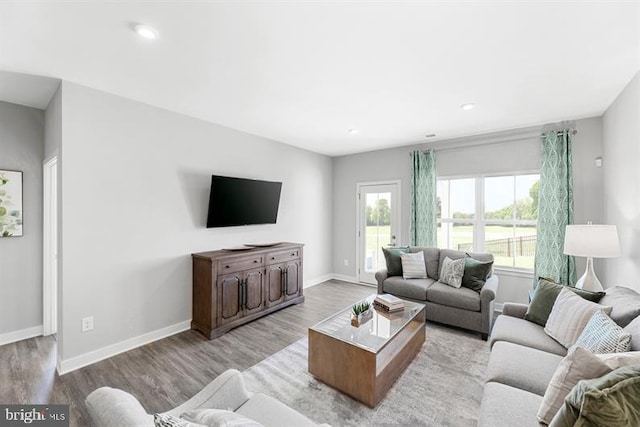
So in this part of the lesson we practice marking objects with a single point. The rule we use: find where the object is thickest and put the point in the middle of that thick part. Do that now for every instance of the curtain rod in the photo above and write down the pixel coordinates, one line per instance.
(504, 140)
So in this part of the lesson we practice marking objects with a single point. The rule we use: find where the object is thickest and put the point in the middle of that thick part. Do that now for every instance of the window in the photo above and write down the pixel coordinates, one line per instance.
(496, 214)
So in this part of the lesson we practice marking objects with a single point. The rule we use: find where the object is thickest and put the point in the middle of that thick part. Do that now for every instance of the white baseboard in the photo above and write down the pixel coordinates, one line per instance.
(345, 278)
(22, 334)
(77, 362)
(317, 280)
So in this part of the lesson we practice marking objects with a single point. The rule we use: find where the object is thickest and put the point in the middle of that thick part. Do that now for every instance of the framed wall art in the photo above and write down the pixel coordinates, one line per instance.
(10, 203)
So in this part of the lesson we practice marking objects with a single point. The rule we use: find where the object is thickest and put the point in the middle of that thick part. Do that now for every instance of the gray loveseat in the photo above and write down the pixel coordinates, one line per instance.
(462, 307)
(524, 359)
(111, 407)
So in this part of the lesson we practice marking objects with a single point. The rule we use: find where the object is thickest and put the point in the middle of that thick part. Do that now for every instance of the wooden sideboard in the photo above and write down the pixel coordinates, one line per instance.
(231, 288)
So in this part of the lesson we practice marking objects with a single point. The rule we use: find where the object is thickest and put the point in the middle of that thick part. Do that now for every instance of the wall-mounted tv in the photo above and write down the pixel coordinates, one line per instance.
(240, 201)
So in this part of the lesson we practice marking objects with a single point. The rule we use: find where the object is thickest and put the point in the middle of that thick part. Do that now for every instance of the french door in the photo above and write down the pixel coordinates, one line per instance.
(378, 226)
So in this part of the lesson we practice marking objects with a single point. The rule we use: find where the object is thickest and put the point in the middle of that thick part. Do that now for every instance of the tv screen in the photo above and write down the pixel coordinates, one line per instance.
(240, 201)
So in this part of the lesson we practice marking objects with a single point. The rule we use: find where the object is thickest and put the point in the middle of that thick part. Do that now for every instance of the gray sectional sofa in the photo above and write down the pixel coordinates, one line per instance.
(524, 359)
(461, 307)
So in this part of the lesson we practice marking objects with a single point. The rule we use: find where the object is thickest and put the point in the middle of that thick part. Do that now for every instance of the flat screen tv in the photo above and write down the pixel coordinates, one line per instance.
(240, 201)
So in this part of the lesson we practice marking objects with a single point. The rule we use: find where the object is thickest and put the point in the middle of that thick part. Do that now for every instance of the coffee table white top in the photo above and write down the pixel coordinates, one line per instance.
(375, 333)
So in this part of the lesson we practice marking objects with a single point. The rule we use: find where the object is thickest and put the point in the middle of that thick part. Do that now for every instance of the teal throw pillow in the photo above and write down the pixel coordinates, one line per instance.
(475, 273)
(545, 296)
(394, 262)
(611, 400)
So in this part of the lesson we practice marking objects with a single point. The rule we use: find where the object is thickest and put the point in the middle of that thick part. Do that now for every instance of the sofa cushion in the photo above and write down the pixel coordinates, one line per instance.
(545, 295)
(392, 257)
(506, 406)
(272, 413)
(569, 316)
(634, 329)
(523, 332)
(463, 298)
(407, 288)
(625, 303)
(505, 366)
(431, 260)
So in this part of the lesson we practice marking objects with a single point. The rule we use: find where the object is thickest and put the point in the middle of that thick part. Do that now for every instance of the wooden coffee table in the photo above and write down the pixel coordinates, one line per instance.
(364, 362)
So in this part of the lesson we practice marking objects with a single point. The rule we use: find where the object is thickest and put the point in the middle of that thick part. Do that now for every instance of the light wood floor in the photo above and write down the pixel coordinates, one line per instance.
(165, 373)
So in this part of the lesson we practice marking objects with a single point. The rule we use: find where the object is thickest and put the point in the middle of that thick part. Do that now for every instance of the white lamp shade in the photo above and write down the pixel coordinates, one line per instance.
(592, 241)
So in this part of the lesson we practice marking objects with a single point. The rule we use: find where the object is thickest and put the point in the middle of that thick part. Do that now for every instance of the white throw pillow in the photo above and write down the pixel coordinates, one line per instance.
(603, 335)
(569, 316)
(579, 364)
(413, 266)
(219, 418)
(452, 272)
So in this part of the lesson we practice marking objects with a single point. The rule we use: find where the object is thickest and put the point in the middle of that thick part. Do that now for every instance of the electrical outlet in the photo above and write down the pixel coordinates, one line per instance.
(346, 263)
(87, 324)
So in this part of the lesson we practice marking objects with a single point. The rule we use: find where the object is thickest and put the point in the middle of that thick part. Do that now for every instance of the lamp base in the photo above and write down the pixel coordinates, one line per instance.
(589, 281)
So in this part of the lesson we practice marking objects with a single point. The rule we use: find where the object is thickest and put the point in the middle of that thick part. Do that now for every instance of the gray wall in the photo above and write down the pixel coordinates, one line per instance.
(135, 187)
(490, 155)
(622, 183)
(22, 149)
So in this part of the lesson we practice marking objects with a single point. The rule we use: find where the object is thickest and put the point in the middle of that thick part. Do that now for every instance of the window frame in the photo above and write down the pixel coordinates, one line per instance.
(479, 222)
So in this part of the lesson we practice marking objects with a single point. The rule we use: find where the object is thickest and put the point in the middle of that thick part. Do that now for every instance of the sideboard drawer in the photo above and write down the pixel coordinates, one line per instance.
(235, 265)
(283, 256)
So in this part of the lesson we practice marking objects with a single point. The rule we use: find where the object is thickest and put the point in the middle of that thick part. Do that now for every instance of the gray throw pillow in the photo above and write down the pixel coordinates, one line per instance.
(394, 262)
(545, 296)
(625, 303)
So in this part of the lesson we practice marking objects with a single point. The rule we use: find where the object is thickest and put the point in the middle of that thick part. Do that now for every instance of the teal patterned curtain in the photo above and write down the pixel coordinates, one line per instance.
(423, 199)
(555, 209)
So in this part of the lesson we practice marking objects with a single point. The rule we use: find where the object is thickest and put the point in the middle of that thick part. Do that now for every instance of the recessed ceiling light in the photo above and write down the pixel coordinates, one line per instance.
(353, 131)
(430, 135)
(468, 106)
(146, 31)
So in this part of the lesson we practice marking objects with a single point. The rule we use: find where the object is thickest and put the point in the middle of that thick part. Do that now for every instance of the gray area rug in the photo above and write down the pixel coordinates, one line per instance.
(441, 387)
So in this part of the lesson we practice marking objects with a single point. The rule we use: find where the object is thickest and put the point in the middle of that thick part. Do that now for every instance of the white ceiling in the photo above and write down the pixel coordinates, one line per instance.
(304, 72)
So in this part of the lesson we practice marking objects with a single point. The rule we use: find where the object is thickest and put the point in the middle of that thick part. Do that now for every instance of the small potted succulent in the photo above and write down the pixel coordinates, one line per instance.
(361, 313)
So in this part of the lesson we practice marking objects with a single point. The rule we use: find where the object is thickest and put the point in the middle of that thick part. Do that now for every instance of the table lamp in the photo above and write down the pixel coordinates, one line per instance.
(591, 241)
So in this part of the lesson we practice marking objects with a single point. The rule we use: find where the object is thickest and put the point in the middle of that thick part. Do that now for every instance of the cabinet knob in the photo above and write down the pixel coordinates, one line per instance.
(273, 257)
(226, 266)
(293, 254)
(255, 261)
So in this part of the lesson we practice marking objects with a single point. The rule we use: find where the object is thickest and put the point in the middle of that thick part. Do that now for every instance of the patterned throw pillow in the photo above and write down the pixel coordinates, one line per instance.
(569, 316)
(603, 335)
(166, 420)
(452, 272)
(413, 266)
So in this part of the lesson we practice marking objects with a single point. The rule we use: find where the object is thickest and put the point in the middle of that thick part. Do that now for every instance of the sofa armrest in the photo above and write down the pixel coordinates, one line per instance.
(514, 309)
(489, 291)
(227, 391)
(113, 407)
(381, 276)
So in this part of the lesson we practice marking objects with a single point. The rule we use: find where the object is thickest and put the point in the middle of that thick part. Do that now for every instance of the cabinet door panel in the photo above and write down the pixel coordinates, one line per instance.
(293, 279)
(275, 284)
(229, 288)
(254, 300)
